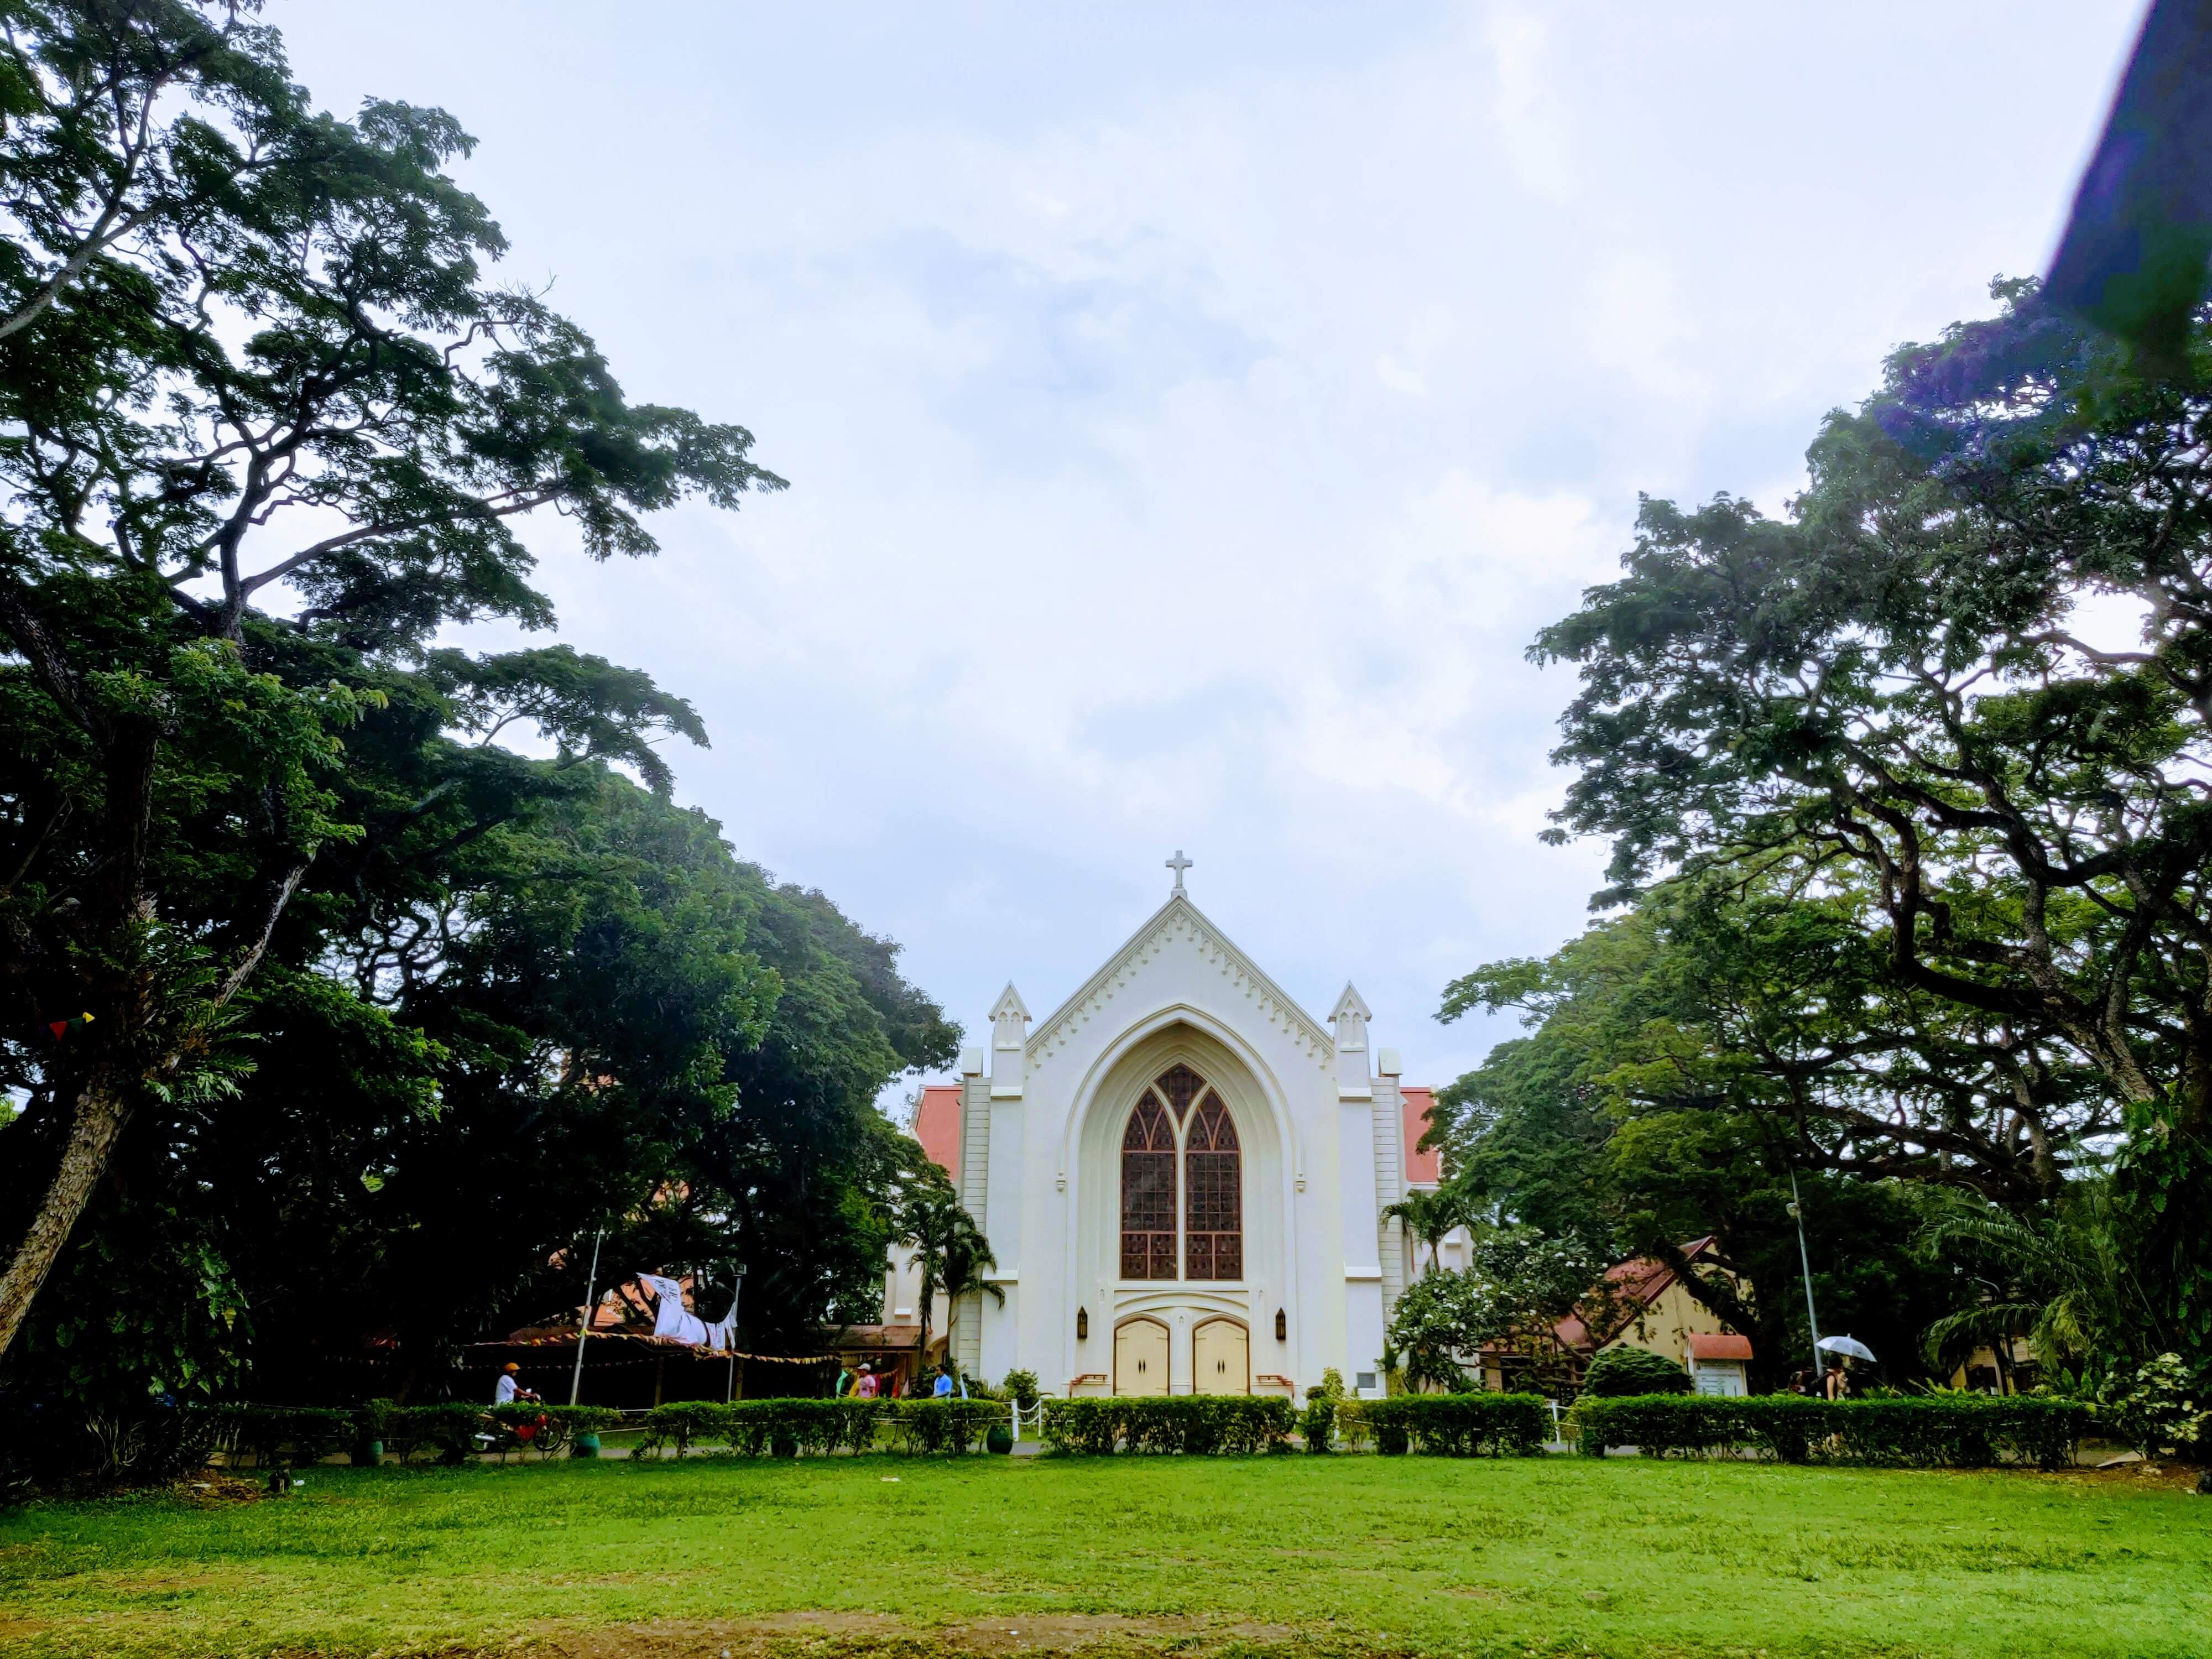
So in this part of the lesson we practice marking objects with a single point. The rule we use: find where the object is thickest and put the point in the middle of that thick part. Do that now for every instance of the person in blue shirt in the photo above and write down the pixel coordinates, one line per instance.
(942, 1389)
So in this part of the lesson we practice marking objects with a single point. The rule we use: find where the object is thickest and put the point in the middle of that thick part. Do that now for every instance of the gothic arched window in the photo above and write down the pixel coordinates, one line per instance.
(1148, 1193)
(1213, 1238)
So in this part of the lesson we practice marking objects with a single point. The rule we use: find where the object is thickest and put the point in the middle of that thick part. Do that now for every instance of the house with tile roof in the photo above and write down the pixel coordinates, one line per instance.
(1648, 1307)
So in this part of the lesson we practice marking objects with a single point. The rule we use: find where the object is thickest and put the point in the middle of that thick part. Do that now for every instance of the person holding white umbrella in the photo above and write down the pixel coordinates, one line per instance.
(1837, 1384)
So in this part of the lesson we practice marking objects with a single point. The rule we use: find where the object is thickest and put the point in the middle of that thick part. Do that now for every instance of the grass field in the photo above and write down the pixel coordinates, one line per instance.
(1349, 1555)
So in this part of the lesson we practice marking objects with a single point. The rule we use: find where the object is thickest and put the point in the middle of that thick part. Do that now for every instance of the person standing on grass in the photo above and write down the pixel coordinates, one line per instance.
(865, 1387)
(942, 1389)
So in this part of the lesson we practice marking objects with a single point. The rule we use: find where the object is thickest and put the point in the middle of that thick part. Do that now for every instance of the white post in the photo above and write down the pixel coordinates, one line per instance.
(1805, 1261)
(584, 1325)
(737, 1294)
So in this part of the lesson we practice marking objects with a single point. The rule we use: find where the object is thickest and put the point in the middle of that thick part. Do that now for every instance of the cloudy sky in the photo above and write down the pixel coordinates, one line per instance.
(1191, 410)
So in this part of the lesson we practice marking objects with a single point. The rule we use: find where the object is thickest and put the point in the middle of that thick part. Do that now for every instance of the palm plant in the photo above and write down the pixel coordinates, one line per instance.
(1430, 1217)
(2062, 1277)
(965, 1263)
(950, 1250)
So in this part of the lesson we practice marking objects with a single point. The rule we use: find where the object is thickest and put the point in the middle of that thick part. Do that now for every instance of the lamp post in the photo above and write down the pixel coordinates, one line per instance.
(1805, 1262)
(584, 1325)
(736, 1290)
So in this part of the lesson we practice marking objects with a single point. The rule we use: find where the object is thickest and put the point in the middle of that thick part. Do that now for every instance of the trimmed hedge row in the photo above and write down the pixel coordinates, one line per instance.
(299, 1435)
(784, 1428)
(1961, 1433)
(1199, 1424)
(1451, 1425)
(307, 1434)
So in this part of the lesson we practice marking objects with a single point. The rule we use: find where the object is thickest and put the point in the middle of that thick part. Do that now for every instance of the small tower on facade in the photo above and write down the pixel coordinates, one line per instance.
(1350, 1018)
(1010, 1021)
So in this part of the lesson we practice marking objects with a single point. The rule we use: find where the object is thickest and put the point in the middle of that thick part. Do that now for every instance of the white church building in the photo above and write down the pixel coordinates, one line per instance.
(1182, 1173)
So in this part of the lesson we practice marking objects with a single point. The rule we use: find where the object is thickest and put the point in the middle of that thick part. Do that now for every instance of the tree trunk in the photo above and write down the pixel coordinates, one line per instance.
(102, 1104)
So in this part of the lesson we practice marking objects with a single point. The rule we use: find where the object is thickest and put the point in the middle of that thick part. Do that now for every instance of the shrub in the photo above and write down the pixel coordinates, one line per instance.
(450, 1430)
(957, 1426)
(1021, 1387)
(1199, 1425)
(1621, 1371)
(1318, 1422)
(755, 1428)
(561, 1426)
(1461, 1424)
(1963, 1433)
(280, 1434)
(2153, 1407)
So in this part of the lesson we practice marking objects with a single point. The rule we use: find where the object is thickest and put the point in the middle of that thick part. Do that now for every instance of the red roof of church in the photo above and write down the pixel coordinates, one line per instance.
(937, 1124)
(1421, 1168)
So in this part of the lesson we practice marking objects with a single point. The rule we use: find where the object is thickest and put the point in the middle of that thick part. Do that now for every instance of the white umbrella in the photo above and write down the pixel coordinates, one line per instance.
(1857, 1350)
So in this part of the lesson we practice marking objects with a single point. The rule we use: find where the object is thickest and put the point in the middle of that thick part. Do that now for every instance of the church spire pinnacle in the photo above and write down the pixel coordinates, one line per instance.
(1009, 1018)
(1350, 1016)
(1179, 864)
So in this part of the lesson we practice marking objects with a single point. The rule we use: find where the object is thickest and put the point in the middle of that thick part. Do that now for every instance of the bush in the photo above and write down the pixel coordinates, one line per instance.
(1021, 1388)
(1616, 1373)
(1199, 1425)
(274, 1435)
(1460, 1425)
(1961, 1433)
(928, 1426)
(754, 1428)
(1318, 1422)
(2152, 1407)
(561, 1426)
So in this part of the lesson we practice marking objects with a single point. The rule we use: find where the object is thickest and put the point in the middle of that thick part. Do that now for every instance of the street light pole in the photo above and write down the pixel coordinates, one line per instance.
(584, 1325)
(736, 1290)
(1805, 1261)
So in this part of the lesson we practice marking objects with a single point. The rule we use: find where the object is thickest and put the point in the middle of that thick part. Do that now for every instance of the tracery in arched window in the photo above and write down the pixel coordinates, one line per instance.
(1213, 1237)
(1180, 1085)
(1148, 1193)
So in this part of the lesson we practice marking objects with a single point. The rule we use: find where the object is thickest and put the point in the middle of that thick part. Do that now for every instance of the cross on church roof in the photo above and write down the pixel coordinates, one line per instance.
(1179, 864)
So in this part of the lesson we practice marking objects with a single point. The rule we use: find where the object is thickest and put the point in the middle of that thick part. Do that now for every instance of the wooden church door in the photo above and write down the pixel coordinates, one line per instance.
(1221, 1360)
(1141, 1357)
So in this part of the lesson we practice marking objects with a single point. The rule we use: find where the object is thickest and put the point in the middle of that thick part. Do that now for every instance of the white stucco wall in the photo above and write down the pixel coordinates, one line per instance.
(1042, 1167)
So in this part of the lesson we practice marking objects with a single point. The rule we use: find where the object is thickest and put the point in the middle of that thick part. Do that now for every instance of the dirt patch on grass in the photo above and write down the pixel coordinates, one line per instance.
(212, 1486)
(828, 1635)
(2162, 1476)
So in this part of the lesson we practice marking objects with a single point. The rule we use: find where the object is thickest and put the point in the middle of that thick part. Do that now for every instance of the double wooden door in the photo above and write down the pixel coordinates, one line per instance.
(1220, 1356)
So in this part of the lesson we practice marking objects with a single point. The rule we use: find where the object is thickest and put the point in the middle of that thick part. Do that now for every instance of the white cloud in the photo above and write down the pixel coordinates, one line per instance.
(1190, 424)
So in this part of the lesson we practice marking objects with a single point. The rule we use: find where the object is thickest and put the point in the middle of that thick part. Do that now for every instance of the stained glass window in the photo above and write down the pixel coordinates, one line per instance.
(1213, 1239)
(1180, 1085)
(1148, 1193)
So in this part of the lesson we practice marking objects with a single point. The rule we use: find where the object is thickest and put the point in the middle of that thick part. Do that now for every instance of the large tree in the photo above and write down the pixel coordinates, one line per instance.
(1946, 726)
(1683, 1076)
(1967, 681)
(266, 425)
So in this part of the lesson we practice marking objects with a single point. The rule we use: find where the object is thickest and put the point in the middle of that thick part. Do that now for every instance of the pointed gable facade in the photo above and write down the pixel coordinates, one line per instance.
(1181, 1172)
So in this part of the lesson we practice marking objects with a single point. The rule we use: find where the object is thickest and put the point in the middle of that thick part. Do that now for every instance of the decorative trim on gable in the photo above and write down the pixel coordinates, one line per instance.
(1179, 925)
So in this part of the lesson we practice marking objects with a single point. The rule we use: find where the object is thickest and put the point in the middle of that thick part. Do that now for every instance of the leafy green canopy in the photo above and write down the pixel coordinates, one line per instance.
(1907, 792)
(391, 1009)
(1910, 694)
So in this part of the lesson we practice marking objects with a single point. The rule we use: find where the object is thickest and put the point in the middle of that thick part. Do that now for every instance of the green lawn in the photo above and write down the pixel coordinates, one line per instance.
(1347, 1555)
